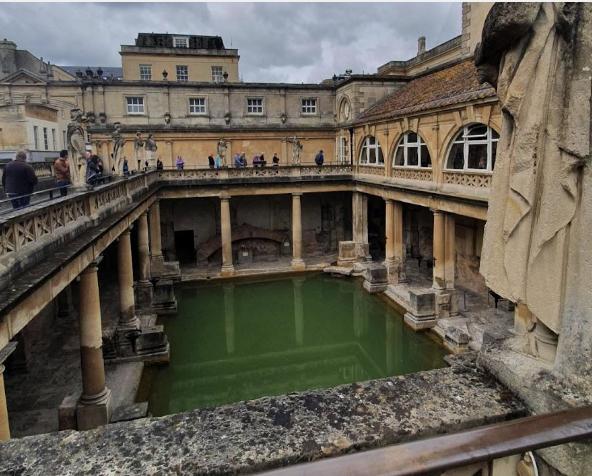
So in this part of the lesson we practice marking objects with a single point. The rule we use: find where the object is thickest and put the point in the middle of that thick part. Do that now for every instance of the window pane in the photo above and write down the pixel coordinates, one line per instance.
(411, 137)
(477, 130)
(363, 156)
(426, 160)
(399, 156)
(412, 158)
(372, 155)
(477, 156)
(380, 157)
(455, 159)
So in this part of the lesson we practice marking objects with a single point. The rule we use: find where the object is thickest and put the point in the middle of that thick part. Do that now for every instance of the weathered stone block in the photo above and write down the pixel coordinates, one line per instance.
(375, 278)
(418, 323)
(164, 300)
(89, 416)
(144, 295)
(422, 303)
(67, 413)
(347, 253)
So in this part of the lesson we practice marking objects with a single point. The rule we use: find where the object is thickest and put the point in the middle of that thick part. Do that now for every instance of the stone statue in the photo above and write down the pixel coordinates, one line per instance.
(296, 150)
(536, 249)
(151, 148)
(221, 149)
(118, 142)
(139, 149)
(76, 139)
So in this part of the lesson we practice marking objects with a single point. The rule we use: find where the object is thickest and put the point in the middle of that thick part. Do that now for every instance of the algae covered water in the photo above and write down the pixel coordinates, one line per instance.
(240, 340)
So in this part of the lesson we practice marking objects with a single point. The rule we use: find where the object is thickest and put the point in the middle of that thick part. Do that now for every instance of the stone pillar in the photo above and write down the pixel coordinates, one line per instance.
(390, 232)
(94, 406)
(399, 241)
(450, 250)
(297, 261)
(143, 285)
(156, 257)
(226, 232)
(125, 274)
(439, 236)
(4, 426)
(360, 224)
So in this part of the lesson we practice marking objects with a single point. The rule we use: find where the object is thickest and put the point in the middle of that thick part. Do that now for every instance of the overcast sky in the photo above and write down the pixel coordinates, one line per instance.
(294, 42)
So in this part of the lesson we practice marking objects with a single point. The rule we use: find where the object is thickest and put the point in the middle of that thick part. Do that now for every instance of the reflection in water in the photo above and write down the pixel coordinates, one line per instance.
(243, 340)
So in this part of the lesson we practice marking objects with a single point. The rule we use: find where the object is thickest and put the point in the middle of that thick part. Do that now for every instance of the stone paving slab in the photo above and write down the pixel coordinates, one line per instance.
(274, 431)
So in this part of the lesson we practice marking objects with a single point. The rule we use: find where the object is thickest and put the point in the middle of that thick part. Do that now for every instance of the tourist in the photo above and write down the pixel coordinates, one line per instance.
(218, 161)
(180, 163)
(275, 160)
(243, 158)
(319, 159)
(256, 161)
(262, 162)
(18, 180)
(237, 161)
(211, 162)
(100, 165)
(92, 170)
(61, 170)
(159, 164)
(125, 167)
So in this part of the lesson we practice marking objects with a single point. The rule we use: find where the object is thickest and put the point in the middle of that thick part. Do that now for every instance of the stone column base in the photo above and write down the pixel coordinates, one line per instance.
(144, 295)
(375, 278)
(418, 323)
(298, 264)
(446, 303)
(156, 266)
(164, 300)
(93, 411)
(227, 270)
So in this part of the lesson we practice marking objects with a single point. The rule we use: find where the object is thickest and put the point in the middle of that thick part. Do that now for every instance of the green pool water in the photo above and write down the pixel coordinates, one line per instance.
(242, 340)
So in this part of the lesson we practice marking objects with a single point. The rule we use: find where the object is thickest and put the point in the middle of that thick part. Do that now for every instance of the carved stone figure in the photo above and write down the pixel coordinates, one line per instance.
(76, 138)
(221, 149)
(296, 150)
(151, 148)
(536, 248)
(139, 149)
(118, 142)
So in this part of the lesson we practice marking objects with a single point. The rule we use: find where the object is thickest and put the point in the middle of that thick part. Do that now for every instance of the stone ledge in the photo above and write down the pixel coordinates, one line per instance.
(274, 431)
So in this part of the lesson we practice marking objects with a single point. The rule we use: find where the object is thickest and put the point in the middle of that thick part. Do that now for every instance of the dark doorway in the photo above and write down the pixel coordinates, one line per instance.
(376, 228)
(185, 246)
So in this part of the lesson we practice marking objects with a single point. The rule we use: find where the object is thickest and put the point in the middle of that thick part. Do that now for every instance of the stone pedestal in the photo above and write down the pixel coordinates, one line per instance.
(297, 261)
(422, 310)
(347, 254)
(226, 234)
(94, 405)
(164, 300)
(375, 278)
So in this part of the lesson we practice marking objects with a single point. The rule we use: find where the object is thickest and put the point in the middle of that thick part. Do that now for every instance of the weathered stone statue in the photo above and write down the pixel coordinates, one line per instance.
(139, 149)
(118, 142)
(76, 138)
(151, 148)
(221, 149)
(536, 249)
(296, 150)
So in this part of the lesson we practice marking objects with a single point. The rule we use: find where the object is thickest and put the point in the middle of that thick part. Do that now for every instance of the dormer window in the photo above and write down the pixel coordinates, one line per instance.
(181, 41)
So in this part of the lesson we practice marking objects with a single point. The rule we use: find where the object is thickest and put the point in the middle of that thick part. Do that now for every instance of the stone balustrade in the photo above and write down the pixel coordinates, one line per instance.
(371, 170)
(467, 179)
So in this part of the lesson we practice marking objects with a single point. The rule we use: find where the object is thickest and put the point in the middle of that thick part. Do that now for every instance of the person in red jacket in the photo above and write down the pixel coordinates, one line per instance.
(61, 170)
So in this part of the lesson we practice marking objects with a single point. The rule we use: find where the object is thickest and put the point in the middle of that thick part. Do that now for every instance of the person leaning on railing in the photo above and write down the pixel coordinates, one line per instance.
(18, 180)
(61, 169)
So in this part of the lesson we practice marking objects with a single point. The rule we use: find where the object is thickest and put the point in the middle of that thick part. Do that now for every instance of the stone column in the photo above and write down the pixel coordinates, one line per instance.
(399, 241)
(450, 250)
(143, 285)
(94, 406)
(4, 426)
(360, 224)
(226, 232)
(156, 257)
(439, 236)
(389, 226)
(125, 274)
(297, 261)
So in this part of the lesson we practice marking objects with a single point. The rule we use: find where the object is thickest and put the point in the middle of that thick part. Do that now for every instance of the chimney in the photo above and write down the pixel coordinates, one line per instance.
(421, 45)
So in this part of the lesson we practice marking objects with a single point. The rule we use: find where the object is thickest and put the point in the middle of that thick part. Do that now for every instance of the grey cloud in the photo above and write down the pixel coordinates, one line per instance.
(295, 42)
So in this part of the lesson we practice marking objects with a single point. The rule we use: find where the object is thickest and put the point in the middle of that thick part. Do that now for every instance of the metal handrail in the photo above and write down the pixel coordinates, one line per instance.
(455, 450)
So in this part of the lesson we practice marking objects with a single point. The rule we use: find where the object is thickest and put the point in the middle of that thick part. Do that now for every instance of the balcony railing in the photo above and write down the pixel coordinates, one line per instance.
(467, 178)
(371, 170)
(425, 175)
(254, 172)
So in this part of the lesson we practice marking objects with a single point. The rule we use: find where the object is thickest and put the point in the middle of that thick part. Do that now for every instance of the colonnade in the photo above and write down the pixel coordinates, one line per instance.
(297, 262)
(94, 405)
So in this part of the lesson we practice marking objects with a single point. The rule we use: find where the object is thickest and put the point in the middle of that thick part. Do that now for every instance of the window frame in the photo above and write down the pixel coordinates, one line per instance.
(45, 139)
(314, 109)
(366, 146)
(36, 137)
(205, 106)
(139, 112)
(463, 137)
(180, 78)
(252, 112)
(184, 39)
(343, 150)
(403, 142)
(214, 76)
(145, 76)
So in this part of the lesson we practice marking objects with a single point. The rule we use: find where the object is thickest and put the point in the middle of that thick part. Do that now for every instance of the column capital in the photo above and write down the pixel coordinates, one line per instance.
(297, 194)
(436, 211)
(389, 200)
(93, 266)
(225, 196)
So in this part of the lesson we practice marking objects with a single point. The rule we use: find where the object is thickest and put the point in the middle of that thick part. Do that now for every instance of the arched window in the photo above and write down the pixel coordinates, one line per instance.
(371, 153)
(412, 151)
(344, 110)
(473, 148)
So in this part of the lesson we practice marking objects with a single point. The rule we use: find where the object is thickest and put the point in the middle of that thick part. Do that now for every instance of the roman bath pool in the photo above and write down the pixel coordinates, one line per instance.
(240, 340)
